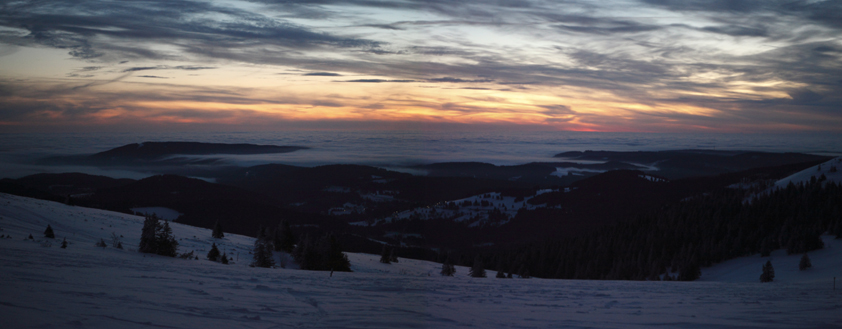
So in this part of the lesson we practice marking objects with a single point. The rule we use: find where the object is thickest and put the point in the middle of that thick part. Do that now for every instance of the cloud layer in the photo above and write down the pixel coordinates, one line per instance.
(650, 65)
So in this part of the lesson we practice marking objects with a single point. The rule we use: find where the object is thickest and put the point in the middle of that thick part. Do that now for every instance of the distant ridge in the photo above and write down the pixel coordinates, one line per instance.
(167, 154)
(152, 150)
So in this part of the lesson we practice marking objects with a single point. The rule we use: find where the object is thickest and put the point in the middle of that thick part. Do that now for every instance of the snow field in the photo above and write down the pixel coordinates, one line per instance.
(816, 171)
(85, 286)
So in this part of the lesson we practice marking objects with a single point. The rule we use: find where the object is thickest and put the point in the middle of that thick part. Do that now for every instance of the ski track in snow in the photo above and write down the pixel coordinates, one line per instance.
(85, 286)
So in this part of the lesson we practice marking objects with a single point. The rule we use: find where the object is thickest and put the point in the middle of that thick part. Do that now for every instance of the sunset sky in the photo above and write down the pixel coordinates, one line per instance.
(648, 65)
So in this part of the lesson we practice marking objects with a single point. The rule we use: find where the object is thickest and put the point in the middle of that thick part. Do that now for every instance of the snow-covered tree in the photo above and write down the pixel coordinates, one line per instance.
(217, 231)
(213, 254)
(48, 233)
(768, 272)
(805, 263)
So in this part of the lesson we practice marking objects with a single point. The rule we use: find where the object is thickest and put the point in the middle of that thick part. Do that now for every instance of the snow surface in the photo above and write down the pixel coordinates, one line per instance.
(85, 286)
(805, 175)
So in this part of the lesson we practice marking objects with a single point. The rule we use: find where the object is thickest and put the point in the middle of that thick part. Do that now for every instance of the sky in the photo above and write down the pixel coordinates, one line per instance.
(633, 66)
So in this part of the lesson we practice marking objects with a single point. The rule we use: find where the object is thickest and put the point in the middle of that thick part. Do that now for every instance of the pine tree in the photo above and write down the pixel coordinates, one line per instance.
(148, 241)
(217, 231)
(336, 259)
(262, 253)
(213, 254)
(384, 255)
(224, 259)
(690, 272)
(447, 268)
(768, 272)
(64, 243)
(393, 256)
(805, 263)
(284, 238)
(165, 241)
(48, 233)
(523, 273)
(101, 243)
(477, 271)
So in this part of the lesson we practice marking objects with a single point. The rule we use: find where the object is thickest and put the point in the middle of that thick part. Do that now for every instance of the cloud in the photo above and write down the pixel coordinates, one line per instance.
(322, 74)
(135, 69)
(165, 67)
(558, 109)
(733, 58)
(377, 80)
(457, 80)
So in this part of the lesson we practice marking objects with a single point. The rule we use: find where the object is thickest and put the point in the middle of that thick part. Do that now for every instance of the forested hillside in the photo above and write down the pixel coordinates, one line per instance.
(684, 236)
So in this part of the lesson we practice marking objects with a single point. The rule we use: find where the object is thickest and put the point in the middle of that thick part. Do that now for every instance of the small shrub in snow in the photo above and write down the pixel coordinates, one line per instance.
(213, 254)
(224, 259)
(115, 241)
(101, 243)
(768, 272)
(64, 244)
(48, 233)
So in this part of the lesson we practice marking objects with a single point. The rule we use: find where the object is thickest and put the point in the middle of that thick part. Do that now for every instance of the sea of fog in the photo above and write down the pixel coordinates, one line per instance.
(396, 149)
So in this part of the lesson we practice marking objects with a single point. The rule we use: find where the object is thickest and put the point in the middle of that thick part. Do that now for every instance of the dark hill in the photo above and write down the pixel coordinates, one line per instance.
(696, 163)
(156, 150)
(70, 183)
(166, 190)
(167, 154)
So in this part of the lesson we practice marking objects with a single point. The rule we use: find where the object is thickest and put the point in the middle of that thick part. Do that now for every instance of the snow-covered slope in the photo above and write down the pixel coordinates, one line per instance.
(85, 286)
(827, 263)
(823, 169)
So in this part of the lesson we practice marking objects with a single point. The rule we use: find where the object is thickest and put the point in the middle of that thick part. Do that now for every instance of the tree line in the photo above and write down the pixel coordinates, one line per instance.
(676, 241)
